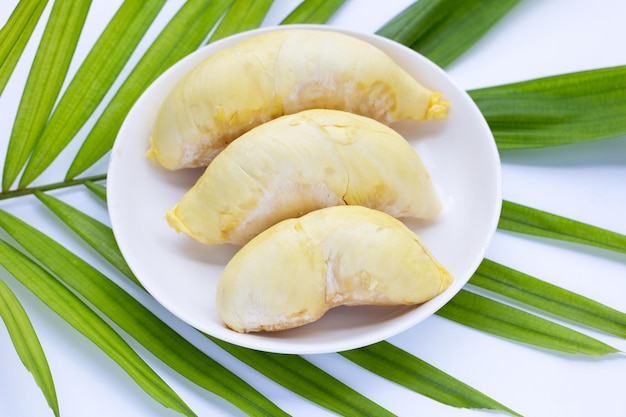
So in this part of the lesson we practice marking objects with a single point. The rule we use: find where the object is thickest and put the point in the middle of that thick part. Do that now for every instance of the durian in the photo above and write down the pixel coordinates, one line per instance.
(299, 163)
(277, 73)
(295, 271)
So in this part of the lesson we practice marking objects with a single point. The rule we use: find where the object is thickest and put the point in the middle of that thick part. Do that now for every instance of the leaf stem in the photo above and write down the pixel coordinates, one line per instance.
(54, 186)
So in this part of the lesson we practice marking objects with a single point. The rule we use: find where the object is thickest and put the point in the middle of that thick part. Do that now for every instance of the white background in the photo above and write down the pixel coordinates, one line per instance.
(586, 182)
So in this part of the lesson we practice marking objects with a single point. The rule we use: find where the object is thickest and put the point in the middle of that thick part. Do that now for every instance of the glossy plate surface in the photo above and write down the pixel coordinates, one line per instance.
(181, 274)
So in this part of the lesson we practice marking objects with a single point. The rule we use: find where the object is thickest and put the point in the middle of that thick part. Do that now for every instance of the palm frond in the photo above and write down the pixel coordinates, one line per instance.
(485, 314)
(393, 363)
(522, 219)
(556, 110)
(44, 83)
(96, 234)
(441, 30)
(15, 34)
(241, 16)
(90, 83)
(300, 376)
(313, 11)
(82, 318)
(98, 189)
(548, 298)
(27, 344)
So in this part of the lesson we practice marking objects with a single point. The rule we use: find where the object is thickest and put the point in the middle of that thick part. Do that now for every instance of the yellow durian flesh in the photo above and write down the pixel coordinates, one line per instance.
(277, 73)
(295, 271)
(299, 163)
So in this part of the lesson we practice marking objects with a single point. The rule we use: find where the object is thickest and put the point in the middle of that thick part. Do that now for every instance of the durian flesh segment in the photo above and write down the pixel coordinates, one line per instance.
(295, 271)
(276, 73)
(299, 163)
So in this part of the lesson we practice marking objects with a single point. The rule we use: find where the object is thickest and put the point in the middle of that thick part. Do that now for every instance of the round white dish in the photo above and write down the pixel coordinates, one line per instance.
(182, 274)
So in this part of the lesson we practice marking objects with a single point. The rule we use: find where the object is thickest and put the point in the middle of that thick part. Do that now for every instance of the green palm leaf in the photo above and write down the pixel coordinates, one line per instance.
(92, 80)
(241, 16)
(305, 379)
(393, 363)
(96, 234)
(27, 344)
(82, 318)
(98, 189)
(548, 298)
(44, 82)
(15, 34)
(485, 314)
(557, 110)
(440, 29)
(527, 220)
(313, 11)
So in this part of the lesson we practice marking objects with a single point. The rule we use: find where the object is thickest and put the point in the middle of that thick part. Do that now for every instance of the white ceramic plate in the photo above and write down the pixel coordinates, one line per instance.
(181, 274)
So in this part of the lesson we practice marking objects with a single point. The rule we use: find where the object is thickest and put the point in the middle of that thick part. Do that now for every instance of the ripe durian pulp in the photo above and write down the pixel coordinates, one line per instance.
(298, 269)
(277, 73)
(299, 163)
